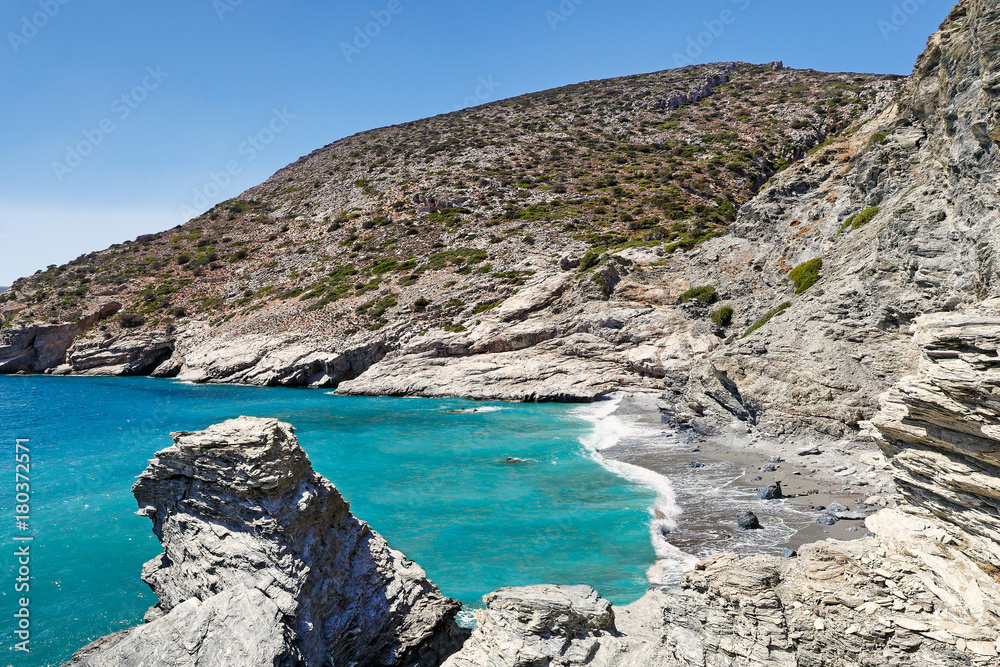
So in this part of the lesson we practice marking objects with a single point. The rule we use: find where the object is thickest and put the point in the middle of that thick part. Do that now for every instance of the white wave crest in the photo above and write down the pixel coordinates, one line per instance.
(607, 431)
(476, 411)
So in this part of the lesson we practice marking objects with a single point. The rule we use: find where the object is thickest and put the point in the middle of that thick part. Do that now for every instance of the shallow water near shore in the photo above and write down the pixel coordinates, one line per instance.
(430, 475)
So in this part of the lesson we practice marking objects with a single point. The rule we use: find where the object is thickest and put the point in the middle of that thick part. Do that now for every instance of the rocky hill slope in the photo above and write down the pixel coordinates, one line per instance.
(535, 248)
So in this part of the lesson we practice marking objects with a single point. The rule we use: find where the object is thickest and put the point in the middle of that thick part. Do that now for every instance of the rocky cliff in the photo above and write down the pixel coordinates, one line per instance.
(901, 214)
(263, 564)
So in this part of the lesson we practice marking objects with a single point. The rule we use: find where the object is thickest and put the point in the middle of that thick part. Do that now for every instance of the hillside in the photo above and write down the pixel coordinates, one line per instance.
(426, 227)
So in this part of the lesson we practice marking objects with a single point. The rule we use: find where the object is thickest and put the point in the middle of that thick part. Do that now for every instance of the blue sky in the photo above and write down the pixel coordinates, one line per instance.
(119, 118)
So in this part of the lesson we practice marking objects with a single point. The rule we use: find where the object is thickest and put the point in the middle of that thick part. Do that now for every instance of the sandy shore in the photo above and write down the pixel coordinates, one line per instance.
(715, 476)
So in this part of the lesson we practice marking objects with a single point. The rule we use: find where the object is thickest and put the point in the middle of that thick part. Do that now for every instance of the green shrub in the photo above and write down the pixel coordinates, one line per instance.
(483, 307)
(865, 217)
(878, 138)
(131, 320)
(859, 220)
(723, 316)
(184, 258)
(767, 318)
(805, 275)
(590, 260)
(420, 305)
(458, 257)
(705, 294)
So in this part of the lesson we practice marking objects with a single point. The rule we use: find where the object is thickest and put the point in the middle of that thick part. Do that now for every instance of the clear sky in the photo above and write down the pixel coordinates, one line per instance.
(116, 114)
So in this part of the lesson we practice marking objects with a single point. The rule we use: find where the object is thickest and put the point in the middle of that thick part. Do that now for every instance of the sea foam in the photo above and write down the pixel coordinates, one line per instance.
(608, 430)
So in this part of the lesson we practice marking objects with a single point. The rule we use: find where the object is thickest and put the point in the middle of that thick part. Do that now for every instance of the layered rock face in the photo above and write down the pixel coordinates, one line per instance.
(119, 356)
(263, 564)
(941, 429)
(39, 348)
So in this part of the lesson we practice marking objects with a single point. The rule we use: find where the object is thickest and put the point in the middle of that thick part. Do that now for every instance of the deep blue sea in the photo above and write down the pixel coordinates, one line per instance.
(434, 482)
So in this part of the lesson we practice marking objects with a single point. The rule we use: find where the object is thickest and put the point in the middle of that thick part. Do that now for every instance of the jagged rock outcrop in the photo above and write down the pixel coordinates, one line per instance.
(35, 349)
(263, 564)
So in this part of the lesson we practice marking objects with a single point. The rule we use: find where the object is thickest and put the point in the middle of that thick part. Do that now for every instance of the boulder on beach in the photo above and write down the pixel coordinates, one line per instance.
(772, 492)
(747, 520)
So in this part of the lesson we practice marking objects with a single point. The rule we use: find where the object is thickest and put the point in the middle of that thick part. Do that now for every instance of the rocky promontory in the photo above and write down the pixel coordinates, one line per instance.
(263, 564)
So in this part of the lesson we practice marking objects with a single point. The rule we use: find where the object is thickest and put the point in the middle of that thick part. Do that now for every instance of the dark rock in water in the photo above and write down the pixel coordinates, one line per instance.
(768, 468)
(263, 564)
(827, 520)
(808, 451)
(696, 464)
(837, 507)
(747, 520)
(514, 459)
(789, 553)
(848, 516)
(695, 449)
(770, 493)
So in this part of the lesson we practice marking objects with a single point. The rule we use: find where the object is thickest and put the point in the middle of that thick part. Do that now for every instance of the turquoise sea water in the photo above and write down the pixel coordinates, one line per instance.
(434, 483)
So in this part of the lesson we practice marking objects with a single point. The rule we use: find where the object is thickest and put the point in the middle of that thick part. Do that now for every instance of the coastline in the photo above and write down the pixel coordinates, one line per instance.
(704, 479)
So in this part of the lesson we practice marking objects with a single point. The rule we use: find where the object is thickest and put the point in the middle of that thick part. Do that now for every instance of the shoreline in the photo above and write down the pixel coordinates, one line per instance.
(713, 477)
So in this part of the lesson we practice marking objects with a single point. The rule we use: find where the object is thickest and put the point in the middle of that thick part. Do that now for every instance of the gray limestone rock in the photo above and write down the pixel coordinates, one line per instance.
(263, 564)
